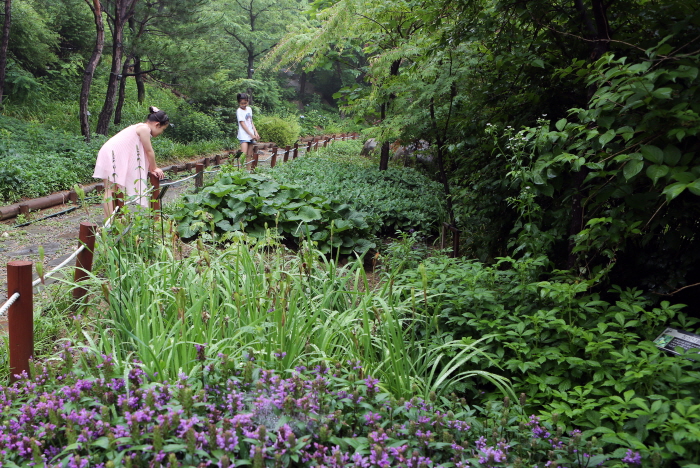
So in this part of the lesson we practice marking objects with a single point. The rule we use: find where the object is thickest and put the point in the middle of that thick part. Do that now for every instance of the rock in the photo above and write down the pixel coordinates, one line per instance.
(417, 152)
(369, 147)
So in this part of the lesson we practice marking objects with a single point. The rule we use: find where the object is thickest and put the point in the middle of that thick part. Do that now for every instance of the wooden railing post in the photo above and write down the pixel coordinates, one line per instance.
(217, 160)
(254, 162)
(199, 179)
(325, 142)
(296, 151)
(83, 264)
(118, 195)
(273, 158)
(286, 153)
(308, 148)
(20, 317)
(155, 196)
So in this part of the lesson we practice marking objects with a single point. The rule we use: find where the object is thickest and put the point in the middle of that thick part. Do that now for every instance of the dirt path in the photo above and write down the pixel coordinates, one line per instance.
(59, 235)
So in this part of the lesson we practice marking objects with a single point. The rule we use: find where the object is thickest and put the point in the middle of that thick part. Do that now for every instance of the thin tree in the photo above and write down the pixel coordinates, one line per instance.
(118, 18)
(257, 26)
(4, 44)
(89, 72)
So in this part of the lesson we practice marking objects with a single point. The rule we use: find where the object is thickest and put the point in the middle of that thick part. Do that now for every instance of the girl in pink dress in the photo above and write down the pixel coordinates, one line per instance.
(125, 160)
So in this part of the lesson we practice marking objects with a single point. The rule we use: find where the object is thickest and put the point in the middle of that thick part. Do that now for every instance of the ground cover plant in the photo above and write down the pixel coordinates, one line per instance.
(231, 413)
(253, 203)
(259, 299)
(585, 355)
(36, 160)
(395, 199)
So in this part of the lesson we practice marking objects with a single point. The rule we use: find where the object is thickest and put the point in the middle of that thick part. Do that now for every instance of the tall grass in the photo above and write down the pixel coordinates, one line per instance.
(259, 301)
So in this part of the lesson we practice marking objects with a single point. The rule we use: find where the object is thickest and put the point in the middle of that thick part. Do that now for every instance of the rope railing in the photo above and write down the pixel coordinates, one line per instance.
(19, 305)
(5, 307)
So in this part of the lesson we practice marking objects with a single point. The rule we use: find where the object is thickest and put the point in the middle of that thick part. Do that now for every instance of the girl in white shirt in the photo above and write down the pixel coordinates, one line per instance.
(247, 134)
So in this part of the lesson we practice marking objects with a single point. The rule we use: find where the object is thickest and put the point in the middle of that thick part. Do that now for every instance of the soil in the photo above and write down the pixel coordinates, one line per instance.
(58, 235)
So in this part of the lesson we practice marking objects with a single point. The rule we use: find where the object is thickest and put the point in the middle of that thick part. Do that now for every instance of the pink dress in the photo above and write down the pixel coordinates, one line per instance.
(122, 160)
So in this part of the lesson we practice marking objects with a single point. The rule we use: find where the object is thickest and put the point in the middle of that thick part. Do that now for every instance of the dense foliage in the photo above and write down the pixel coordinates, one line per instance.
(282, 132)
(36, 160)
(58, 160)
(588, 358)
(397, 199)
(240, 202)
(230, 413)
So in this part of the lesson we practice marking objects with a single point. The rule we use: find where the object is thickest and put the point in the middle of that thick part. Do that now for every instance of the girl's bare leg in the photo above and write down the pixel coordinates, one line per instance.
(245, 147)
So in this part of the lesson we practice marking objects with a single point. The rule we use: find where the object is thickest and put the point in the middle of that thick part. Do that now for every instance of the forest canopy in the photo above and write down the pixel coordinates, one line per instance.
(558, 128)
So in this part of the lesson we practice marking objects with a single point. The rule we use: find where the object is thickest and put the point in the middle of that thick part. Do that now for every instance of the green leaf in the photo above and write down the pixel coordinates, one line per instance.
(308, 214)
(606, 137)
(225, 225)
(174, 448)
(363, 245)
(672, 155)
(561, 124)
(662, 93)
(695, 187)
(653, 154)
(655, 172)
(632, 168)
(673, 190)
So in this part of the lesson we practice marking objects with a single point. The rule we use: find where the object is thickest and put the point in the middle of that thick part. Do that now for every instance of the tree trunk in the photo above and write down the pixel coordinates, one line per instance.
(302, 85)
(599, 29)
(384, 153)
(384, 157)
(251, 64)
(122, 92)
(123, 9)
(4, 45)
(90, 68)
(140, 87)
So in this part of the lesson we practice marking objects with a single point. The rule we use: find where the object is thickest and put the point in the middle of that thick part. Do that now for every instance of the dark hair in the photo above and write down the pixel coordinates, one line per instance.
(241, 96)
(157, 115)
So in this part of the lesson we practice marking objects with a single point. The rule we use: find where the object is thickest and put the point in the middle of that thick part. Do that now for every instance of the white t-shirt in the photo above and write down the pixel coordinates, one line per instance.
(247, 116)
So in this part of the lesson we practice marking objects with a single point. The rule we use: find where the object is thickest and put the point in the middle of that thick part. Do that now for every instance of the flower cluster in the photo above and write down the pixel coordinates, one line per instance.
(318, 415)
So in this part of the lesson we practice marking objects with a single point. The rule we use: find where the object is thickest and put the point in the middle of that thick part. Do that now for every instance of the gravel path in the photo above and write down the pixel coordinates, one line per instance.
(59, 235)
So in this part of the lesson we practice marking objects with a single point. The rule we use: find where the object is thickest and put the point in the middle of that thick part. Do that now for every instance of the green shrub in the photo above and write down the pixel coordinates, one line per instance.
(282, 132)
(575, 353)
(238, 201)
(395, 199)
(36, 160)
(231, 412)
(191, 125)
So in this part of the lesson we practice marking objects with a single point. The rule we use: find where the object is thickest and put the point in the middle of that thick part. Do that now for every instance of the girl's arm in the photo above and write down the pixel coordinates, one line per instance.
(144, 134)
(255, 130)
(245, 128)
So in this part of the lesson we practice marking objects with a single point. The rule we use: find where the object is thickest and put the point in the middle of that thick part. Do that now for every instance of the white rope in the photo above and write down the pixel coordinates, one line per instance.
(179, 181)
(6, 306)
(109, 220)
(64, 263)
